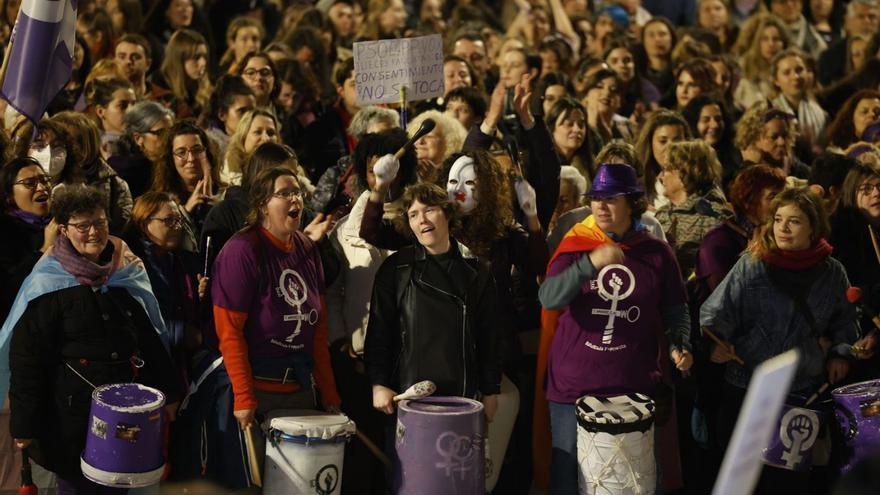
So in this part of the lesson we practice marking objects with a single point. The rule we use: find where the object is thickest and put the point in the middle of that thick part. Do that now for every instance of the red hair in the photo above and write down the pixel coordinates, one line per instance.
(749, 183)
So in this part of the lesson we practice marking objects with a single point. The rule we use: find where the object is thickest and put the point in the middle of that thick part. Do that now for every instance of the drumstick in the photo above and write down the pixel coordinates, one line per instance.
(207, 254)
(252, 455)
(372, 447)
(819, 392)
(426, 127)
(418, 390)
(724, 345)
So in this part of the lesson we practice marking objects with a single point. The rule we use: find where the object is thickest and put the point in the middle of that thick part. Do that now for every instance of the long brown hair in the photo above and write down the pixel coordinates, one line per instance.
(165, 176)
(183, 46)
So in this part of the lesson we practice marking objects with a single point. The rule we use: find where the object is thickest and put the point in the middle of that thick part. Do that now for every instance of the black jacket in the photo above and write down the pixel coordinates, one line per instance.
(94, 332)
(432, 318)
(19, 252)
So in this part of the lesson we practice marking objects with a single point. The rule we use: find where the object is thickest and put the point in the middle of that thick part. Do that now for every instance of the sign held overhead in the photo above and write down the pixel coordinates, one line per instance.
(382, 67)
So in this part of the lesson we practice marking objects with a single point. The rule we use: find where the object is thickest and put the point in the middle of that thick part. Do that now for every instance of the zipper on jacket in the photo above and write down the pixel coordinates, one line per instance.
(463, 330)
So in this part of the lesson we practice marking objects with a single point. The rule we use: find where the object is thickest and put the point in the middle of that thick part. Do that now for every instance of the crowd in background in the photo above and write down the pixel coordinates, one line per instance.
(222, 143)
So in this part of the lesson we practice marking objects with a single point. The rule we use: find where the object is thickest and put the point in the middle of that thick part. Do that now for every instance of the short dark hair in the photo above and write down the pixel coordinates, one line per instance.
(7, 179)
(344, 71)
(262, 187)
(228, 87)
(74, 200)
(136, 39)
(830, 169)
(470, 95)
(430, 195)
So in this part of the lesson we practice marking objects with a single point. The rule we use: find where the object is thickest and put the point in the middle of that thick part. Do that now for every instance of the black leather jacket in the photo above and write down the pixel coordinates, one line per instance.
(431, 318)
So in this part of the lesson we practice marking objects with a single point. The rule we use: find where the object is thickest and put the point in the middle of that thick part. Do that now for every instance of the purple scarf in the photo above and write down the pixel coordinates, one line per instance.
(86, 272)
(30, 218)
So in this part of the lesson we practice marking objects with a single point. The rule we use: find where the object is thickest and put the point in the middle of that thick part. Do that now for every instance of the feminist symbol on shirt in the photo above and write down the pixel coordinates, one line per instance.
(616, 283)
(293, 289)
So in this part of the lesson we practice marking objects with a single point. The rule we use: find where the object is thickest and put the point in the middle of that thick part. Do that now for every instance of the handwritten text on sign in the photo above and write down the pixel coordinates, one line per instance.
(382, 67)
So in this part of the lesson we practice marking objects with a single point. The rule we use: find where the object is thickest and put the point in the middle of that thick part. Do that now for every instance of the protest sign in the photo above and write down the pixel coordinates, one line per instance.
(382, 67)
(758, 417)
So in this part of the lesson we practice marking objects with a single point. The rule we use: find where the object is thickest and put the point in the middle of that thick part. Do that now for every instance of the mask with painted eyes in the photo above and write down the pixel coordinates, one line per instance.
(461, 185)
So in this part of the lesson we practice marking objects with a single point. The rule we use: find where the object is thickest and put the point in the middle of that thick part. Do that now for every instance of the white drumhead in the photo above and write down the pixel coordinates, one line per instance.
(323, 426)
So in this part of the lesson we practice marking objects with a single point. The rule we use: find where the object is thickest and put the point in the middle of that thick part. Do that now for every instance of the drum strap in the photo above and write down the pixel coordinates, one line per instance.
(79, 375)
(194, 386)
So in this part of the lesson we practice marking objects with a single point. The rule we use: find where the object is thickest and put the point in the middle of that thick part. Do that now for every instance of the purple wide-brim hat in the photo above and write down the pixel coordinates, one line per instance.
(614, 179)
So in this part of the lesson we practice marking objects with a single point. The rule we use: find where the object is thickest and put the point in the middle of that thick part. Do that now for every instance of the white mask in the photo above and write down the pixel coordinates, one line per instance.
(51, 158)
(461, 186)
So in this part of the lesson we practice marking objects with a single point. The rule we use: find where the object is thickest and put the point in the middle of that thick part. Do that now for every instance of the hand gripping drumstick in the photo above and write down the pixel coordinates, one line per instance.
(724, 345)
(418, 390)
(426, 127)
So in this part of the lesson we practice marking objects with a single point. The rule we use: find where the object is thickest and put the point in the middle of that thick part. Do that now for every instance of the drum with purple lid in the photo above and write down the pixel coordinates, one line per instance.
(124, 439)
(439, 447)
(857, 410)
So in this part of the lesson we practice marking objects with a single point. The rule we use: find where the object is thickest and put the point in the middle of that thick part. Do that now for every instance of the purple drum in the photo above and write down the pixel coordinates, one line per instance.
(791, 446)
(124, 441)
(857, 410)
(439, 445)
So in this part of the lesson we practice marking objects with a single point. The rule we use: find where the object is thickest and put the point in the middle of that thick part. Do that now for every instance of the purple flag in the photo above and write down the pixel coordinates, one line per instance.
(41, 58)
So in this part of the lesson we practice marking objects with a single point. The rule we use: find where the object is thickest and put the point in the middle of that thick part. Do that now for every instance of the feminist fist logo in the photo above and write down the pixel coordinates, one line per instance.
(292, 288)
(621, 282)
(326, 480)
(797, 431)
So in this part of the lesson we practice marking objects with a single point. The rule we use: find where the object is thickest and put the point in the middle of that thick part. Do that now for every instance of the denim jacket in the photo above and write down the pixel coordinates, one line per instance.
(748, 311)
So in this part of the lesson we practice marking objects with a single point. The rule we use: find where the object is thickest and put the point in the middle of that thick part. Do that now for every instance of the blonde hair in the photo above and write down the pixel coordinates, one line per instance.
(183, 46)
(755, 67)
(453, 132)
(372, 28)
(236, 156)
(808, 202)
(235, 26)
(750, 127)
(697, 165)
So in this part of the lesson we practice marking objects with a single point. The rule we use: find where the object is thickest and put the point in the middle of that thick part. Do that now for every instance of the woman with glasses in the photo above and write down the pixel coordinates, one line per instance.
(26, 221)
(186, 171)
(184, 74)
(155, 235)
(85, 317)
(259, 73)
(273, 347)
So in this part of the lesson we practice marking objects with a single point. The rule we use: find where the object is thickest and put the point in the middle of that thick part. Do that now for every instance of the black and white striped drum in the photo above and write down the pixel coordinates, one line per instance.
(616, 445)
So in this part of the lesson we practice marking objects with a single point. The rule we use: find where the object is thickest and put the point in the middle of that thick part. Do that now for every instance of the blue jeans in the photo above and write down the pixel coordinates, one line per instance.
(564, 461)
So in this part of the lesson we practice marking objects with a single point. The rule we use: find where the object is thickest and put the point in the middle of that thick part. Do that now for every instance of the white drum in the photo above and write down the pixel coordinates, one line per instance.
(304, 454)
(616, 445)
(500, 429)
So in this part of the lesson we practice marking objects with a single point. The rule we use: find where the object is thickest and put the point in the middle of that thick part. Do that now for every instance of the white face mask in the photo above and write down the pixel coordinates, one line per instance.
(461, 186)
(51, 158)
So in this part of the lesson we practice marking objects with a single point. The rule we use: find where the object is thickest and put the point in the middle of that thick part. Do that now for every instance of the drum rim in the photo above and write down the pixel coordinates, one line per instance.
(142, 408)
(477, 405)
(843, 392)
(277, 434)
(139, 480)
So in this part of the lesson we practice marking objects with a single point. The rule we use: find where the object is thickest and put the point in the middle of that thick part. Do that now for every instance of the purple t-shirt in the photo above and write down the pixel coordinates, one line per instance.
(608, 338)
(720, 249)
(279, 290)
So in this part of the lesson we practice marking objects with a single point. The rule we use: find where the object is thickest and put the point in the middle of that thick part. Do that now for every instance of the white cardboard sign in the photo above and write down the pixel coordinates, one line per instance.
(758, 417)
(382, 67)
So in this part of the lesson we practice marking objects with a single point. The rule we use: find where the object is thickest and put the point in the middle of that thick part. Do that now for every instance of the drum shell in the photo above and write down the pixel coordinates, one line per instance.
(439, 447)
(124, 441)
(857, 413)
(302, 464)
(780, 451)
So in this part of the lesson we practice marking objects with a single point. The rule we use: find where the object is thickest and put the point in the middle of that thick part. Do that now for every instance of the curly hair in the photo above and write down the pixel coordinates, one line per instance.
(165, 175)
(750, 127)
(697, 165)
(842, 132)
(75, 200)
(380, 144)
(749, 184)
(493, 214)
(453, 132)
(621, 150)
(805, 200)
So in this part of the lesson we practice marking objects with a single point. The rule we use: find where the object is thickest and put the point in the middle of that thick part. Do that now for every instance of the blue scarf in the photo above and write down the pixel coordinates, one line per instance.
(49, 276)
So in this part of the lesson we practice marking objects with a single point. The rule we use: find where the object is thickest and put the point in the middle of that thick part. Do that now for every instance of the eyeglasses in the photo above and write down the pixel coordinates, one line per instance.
(182, 153)
(32, 182)
(170, 222)
(288, 195)
(264, 73)
(85, 227)
(866, 189)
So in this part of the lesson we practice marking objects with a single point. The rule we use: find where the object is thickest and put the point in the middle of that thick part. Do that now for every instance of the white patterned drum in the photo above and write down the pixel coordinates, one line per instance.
(616, 445)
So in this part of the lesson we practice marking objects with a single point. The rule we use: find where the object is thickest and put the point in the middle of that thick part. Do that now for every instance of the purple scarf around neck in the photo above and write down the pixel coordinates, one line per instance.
(30, 218)
(85, 271)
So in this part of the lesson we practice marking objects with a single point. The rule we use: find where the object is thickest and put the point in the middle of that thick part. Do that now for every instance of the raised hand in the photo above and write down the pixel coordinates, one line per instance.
(319, 227)
(385, 169)
(525, 196)
(522, 97)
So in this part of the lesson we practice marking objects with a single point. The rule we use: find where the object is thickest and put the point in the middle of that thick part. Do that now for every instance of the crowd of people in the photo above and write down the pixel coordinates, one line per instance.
(208, 185)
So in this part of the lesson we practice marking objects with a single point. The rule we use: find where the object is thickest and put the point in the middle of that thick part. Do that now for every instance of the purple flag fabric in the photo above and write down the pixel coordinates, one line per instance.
(41, 60)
